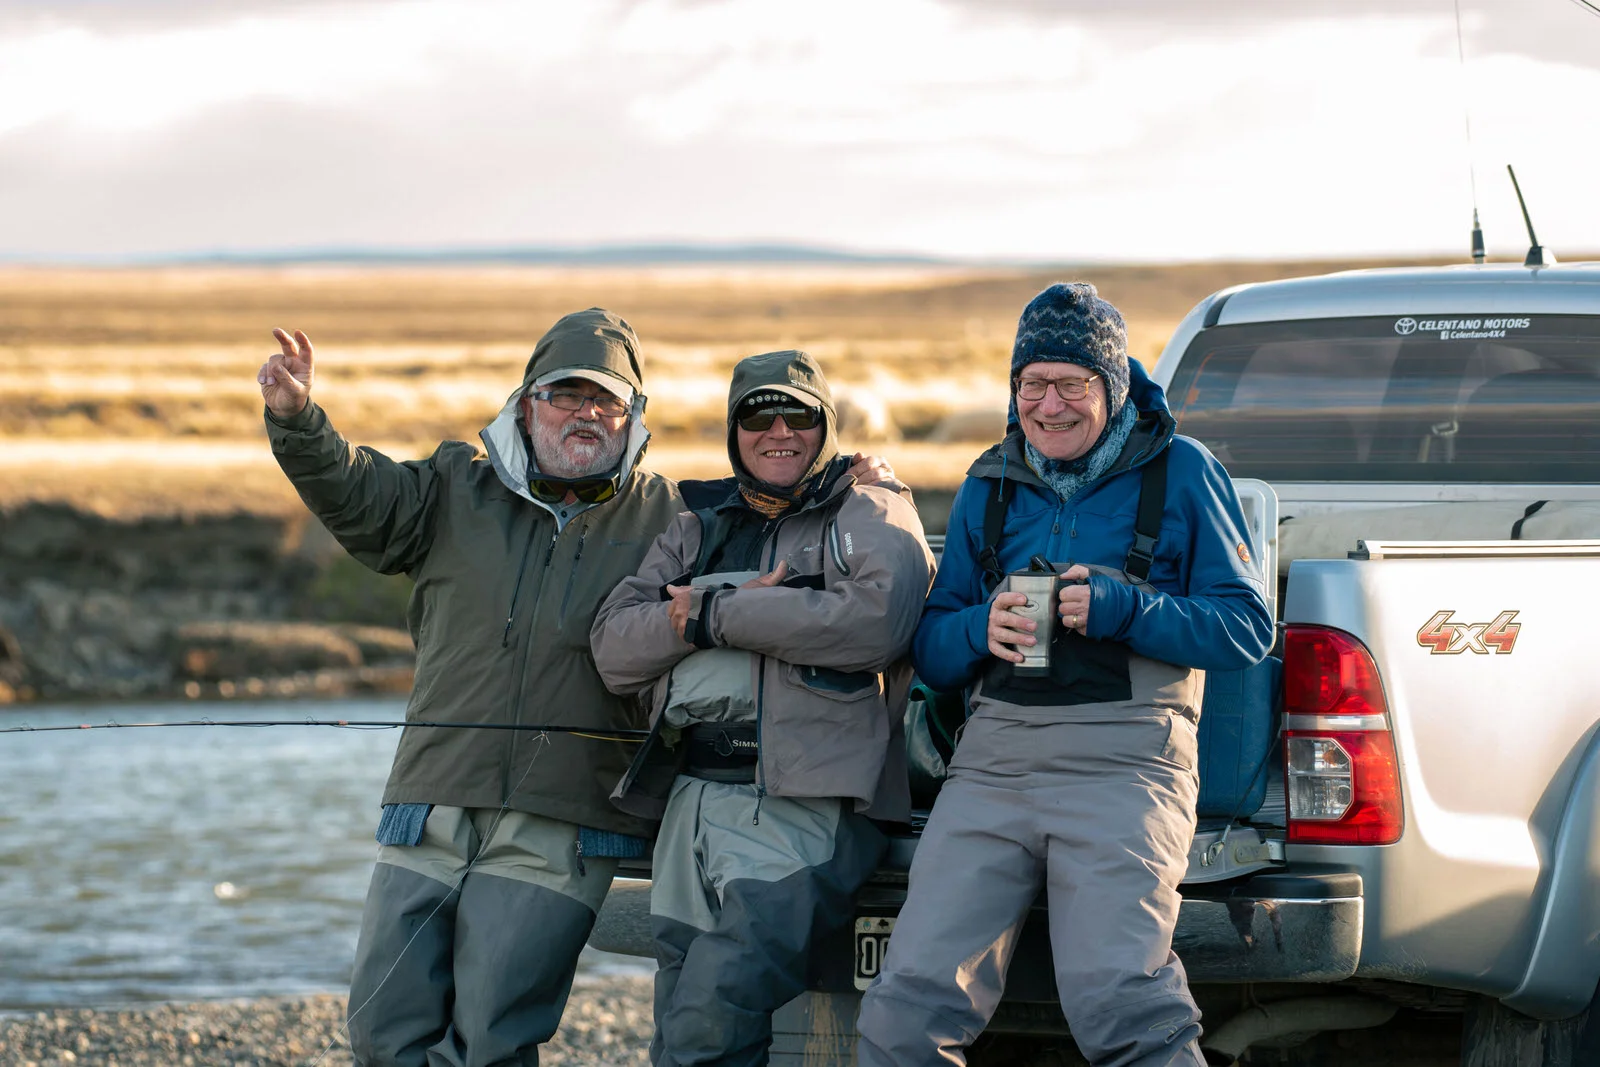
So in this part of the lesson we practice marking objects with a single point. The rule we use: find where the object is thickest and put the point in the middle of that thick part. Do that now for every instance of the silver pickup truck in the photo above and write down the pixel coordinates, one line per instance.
(1400, 858)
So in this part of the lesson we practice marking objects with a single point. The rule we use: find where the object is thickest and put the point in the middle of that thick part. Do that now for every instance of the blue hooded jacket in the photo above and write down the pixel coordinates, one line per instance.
(1206, 608)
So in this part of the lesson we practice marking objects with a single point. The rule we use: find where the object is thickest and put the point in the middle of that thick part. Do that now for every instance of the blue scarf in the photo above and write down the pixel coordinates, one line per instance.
(1067, 476)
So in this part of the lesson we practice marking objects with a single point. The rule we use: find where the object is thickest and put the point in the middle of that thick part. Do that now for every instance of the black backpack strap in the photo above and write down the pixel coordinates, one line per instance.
(1147, 523)
(700, 493)
(714, 523)
(994, 527)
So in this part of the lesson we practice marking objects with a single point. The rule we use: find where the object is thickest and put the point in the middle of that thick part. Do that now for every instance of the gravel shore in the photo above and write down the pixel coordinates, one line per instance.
(607, 1022)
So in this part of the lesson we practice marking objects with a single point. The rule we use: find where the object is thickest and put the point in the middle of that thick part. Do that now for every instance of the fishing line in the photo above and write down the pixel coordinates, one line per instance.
(595, 733)
(1586, 5)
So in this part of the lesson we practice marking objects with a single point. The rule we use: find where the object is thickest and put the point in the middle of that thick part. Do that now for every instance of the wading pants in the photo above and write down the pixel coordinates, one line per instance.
(480, 975)
(1100, 814)
(740, 894)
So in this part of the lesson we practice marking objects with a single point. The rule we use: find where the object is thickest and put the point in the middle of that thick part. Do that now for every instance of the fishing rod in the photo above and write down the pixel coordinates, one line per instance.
(599, 734)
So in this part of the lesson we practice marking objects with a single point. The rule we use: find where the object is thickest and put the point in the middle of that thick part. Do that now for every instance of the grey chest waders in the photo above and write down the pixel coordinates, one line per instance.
(1075, 775)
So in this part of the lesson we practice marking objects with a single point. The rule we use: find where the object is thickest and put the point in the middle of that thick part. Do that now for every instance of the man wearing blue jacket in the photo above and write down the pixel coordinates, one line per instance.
(1080, 778)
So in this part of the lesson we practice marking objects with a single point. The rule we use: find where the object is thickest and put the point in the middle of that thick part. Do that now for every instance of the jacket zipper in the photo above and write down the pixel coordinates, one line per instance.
(516, 588)
(516, 690)
(572, 577)
(761, 680)
(577, 851)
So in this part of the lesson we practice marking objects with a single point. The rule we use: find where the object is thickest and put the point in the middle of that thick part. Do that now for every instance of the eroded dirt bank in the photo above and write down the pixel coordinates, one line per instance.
(240, 604)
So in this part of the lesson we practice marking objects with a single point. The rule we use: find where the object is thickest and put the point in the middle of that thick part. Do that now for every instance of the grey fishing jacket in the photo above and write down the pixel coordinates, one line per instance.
(826, 648)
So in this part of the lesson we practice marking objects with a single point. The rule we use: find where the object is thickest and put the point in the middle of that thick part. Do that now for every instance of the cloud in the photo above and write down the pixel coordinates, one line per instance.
(345, 55)
(1545, 30)
(912, 124)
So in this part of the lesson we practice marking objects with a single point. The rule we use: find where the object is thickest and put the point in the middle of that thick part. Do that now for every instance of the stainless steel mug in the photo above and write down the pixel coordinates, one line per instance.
(1040, 589)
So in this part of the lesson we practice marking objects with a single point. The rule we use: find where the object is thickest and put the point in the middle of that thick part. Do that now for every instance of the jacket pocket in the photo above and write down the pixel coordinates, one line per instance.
(843, 686)
(1183, 743)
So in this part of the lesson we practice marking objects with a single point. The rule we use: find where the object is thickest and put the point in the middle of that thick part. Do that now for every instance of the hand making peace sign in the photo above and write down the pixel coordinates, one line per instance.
(285, 379)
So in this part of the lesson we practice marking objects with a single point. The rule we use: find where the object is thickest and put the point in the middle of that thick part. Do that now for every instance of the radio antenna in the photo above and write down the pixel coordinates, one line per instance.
(1466, 113)
(1537, 256)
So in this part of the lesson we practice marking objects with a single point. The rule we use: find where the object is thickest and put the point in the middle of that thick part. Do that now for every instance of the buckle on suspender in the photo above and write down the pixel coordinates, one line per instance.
(1141, 556)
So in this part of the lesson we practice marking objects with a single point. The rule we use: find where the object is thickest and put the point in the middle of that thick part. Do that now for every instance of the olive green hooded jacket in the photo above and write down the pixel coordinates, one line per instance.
(503, 601)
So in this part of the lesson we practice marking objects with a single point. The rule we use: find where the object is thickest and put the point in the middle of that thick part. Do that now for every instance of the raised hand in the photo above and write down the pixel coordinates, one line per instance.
(285, 379)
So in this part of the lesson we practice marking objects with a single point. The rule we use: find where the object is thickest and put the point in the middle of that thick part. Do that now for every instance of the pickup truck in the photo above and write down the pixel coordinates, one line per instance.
(1398, 856)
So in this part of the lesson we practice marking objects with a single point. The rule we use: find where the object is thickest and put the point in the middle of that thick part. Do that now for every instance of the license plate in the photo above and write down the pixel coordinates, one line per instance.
(872, 941)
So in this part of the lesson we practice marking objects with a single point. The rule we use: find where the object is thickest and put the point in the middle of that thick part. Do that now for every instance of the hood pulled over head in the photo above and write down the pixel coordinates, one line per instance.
(796, 374)
(596, 345)
(596, 342)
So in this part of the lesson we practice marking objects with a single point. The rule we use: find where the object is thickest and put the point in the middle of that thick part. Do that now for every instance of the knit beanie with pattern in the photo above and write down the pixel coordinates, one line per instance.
(1069, 323)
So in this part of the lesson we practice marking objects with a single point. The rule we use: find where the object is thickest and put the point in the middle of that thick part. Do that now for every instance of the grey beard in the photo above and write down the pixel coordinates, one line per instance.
(553, 460)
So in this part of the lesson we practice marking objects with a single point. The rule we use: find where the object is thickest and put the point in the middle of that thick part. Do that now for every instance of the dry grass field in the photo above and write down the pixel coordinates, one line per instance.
(132, 392)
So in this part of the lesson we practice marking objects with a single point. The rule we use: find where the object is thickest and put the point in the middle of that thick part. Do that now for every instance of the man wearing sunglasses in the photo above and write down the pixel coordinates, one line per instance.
(769, 634)
(498, 846)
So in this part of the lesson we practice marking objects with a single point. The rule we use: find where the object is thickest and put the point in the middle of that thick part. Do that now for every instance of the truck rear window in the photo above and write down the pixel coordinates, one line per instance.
(1442, 398)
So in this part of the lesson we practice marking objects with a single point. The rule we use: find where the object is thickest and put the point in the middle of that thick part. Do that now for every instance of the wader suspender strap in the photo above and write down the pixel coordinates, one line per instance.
(1146, 524)
(994, 526)
(713, 531)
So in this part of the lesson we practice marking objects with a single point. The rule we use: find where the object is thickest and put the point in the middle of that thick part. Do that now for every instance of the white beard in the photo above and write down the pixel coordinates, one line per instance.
(561, 455)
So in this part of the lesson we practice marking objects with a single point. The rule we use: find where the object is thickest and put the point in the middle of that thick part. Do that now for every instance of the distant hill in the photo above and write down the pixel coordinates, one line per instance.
(621, 255)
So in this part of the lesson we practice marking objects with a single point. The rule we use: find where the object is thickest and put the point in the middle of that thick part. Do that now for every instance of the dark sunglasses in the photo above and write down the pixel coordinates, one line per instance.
(796, 417)
(587, 490)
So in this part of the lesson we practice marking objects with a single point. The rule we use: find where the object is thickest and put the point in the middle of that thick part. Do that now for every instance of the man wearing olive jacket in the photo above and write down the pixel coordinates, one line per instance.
(498, 845)
(769, 634)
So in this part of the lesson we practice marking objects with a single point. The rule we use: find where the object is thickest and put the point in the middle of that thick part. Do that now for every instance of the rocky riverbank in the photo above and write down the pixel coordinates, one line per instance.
(607, 1023)
(204, 606)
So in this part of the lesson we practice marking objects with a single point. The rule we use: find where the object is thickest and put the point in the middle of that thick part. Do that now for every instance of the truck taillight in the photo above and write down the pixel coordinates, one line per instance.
(1342, 776)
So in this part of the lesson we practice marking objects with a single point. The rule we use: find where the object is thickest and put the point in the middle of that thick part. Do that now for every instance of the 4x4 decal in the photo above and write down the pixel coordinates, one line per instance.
(1442, 637)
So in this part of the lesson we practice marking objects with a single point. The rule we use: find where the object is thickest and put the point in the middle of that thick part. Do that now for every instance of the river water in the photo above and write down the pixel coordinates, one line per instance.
(189, 863)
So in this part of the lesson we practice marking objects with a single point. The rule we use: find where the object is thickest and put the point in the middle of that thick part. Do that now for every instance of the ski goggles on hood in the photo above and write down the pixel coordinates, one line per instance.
(594, 489)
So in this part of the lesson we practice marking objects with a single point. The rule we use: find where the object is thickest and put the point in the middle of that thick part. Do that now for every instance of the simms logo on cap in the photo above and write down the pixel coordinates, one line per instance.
(766, 398)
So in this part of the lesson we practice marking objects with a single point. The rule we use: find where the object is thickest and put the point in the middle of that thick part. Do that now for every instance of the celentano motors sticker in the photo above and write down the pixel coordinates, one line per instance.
(1461, 329)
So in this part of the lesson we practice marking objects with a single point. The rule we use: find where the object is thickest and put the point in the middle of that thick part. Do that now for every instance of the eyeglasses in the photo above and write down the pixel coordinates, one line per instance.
(1066, 388)
(567, 400)
(796, 417)
(588, 490)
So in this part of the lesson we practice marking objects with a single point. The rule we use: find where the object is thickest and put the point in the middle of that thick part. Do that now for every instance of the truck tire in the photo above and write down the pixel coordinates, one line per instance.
(1492, 1034)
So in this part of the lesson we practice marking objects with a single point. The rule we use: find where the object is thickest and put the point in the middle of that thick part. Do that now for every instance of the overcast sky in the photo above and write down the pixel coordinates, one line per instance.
(1068, 130)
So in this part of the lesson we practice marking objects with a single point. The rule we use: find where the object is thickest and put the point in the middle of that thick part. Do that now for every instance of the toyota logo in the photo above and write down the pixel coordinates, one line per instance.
(1405, 326)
